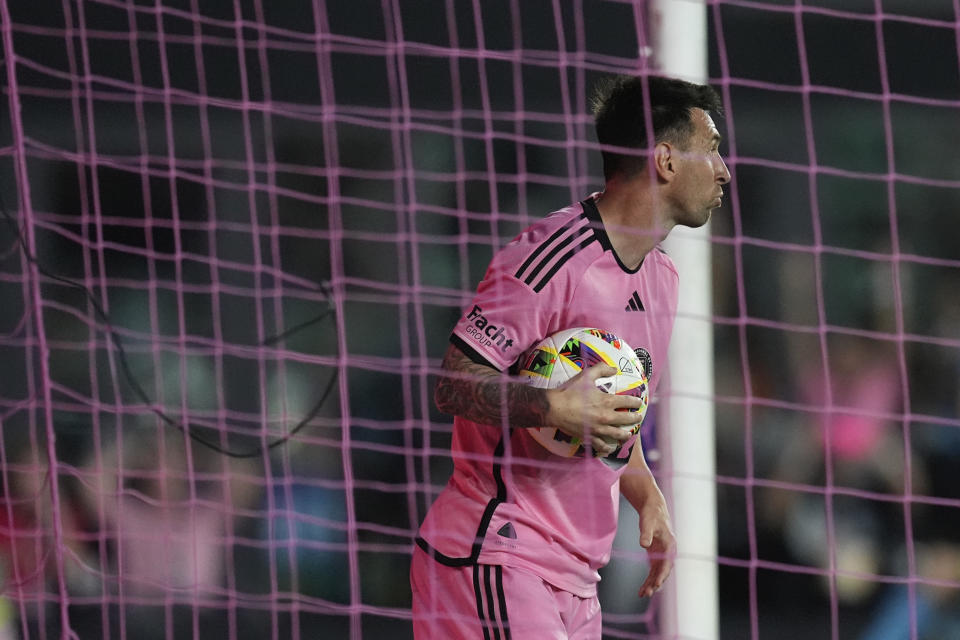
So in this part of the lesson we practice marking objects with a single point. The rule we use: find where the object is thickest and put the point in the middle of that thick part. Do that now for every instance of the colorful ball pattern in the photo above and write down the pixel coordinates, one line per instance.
(559, 357)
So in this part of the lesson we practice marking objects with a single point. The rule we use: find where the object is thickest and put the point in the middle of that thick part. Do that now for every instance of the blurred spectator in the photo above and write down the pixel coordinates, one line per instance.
(936, 609)
(163, 509)
(23, 544)
(853, 443)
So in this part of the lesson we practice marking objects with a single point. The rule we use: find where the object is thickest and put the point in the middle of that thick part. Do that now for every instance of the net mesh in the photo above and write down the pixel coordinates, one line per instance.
(236, 236)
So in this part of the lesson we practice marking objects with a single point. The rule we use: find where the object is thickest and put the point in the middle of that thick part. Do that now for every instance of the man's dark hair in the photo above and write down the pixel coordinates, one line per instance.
(619, 112)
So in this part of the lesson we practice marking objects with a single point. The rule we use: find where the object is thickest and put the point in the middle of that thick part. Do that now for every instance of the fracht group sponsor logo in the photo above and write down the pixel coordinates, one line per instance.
(486, 334)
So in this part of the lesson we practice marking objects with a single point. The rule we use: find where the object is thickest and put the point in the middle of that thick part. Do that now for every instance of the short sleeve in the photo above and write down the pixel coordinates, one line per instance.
(506, 316)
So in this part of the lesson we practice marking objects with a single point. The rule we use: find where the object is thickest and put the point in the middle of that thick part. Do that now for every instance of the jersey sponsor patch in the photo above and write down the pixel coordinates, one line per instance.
(484, 332)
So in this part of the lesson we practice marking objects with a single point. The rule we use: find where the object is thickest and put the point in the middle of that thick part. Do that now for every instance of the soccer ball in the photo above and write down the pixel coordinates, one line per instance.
(556, 359)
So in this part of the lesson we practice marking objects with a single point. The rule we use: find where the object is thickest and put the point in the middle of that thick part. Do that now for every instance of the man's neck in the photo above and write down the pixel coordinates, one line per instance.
(631, 220)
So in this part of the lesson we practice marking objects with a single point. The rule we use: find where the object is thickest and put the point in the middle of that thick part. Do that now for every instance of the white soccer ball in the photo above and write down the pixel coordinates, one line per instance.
(559, 357)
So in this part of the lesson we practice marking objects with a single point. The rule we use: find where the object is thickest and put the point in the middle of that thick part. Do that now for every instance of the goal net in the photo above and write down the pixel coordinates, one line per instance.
(236, 235)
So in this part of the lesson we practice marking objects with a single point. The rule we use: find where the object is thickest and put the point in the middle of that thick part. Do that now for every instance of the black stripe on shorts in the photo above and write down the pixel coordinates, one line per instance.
(488, 587)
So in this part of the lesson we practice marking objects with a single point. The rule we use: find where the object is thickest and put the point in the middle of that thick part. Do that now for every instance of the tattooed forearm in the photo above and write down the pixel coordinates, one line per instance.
(484, 395)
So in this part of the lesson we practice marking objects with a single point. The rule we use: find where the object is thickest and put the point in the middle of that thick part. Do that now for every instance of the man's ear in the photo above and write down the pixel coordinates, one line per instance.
(663, 160)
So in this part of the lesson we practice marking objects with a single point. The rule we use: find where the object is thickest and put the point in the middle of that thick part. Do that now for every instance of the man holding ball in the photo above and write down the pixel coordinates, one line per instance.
(511, 547)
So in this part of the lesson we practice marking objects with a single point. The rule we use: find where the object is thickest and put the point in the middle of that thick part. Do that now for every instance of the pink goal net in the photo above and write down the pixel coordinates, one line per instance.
(236, 234)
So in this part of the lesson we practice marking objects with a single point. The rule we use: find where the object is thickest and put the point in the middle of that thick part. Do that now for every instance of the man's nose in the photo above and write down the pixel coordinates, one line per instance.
(724, 176)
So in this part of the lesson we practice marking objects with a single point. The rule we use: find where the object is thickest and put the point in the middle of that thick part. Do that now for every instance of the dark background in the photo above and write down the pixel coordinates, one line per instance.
(216, 175)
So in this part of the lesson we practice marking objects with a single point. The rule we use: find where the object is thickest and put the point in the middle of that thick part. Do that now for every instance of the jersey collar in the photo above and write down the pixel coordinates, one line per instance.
(593, 215)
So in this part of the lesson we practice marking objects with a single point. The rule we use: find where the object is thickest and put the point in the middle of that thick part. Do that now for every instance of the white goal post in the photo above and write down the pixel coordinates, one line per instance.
(678, 36)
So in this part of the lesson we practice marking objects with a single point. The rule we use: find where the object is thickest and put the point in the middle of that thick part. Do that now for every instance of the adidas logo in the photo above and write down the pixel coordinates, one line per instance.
(507, 531)
(634, 304)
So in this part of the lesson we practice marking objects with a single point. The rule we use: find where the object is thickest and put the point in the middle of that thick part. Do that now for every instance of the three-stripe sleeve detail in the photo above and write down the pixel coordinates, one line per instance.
(566, 242)
(559, 263)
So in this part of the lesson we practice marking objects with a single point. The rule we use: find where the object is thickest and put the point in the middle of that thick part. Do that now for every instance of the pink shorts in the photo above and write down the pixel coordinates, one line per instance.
(492, 602)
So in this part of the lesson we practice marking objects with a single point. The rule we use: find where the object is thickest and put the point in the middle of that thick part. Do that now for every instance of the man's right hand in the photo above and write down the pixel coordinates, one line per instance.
(582, 410)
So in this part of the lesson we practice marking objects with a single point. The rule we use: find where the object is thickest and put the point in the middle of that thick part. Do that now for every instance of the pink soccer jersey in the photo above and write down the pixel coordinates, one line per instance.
(509, 501)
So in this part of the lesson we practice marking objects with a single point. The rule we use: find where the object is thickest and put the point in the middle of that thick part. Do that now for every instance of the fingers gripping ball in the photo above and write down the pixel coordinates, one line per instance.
(559, 357)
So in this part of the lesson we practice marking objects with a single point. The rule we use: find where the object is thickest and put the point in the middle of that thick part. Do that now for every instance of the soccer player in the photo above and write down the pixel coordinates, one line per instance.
(511, 547)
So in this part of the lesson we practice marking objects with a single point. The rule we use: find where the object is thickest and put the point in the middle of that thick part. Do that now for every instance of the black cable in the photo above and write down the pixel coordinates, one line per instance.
(138, 388)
